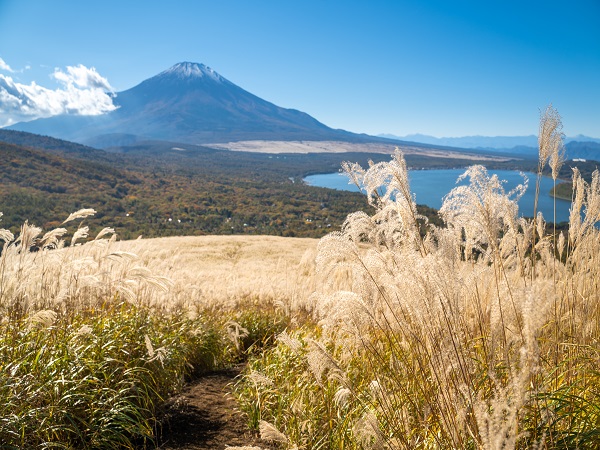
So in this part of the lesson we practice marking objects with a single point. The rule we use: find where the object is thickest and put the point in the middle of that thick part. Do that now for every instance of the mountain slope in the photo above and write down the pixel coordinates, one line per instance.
(189, 103)
(584, 150)
(160, 191)
(53, 145)
(43, 186)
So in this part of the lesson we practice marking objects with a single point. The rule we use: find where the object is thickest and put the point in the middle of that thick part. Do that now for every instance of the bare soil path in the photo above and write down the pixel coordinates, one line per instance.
(205, 416)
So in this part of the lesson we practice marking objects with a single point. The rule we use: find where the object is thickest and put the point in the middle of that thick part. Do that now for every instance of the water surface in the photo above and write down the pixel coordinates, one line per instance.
(430, 186)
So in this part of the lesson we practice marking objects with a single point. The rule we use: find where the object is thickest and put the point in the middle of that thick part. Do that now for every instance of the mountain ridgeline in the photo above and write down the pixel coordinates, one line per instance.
(579, 146)
(188, 103)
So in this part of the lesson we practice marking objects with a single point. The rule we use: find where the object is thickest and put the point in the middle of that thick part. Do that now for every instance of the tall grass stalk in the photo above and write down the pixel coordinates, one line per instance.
(479, 334)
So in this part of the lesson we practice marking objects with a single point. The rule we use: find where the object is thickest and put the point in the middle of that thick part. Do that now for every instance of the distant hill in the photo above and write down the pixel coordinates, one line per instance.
(583, 150)
(51, 144)
(527, 146)
(188, 103)
(45, 186)
(476, 142)
(484, 142)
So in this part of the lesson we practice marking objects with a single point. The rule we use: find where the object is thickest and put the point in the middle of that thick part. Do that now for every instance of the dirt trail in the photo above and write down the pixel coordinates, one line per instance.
(205, 416)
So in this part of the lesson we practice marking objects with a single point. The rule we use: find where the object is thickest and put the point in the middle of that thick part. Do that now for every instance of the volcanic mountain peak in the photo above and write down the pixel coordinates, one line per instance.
(189, 103)
(187, 70)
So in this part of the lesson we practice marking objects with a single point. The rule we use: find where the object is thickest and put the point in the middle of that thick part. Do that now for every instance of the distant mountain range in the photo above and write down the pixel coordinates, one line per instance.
(188, 103)
(579, 146)
(484, 142)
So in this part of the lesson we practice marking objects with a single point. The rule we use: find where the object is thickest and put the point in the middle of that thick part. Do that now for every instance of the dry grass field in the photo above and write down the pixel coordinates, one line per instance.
(225, 270)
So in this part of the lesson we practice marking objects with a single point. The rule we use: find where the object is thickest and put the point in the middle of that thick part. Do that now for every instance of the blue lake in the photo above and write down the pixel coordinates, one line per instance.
(430, 186)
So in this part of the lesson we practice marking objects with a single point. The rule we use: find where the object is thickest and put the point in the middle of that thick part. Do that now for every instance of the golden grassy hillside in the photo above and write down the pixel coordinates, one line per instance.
(97, 335)
(225, 270)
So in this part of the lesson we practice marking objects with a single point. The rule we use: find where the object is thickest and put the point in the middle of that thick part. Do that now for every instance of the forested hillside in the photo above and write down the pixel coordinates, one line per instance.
(170, 200)
(164, 189)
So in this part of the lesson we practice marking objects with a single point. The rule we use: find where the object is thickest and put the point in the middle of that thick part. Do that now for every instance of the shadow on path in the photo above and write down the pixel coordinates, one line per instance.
(205, 416)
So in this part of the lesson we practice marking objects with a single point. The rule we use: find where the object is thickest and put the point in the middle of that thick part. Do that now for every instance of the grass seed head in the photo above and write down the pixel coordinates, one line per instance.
(269, 432)
(81, 214)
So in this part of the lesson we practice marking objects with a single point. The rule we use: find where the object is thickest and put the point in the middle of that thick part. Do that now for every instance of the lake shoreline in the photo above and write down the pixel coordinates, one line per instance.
(430, 186)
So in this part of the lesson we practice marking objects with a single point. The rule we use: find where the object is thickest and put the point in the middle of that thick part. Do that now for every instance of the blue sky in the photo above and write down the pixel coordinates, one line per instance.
(445, 68)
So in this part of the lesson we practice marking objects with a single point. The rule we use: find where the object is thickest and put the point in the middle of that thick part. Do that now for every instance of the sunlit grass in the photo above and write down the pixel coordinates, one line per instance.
(96, 380)
(94, 339)
(482, 334)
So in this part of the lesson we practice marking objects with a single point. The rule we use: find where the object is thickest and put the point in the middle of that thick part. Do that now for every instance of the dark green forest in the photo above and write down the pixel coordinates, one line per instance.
(152, 190)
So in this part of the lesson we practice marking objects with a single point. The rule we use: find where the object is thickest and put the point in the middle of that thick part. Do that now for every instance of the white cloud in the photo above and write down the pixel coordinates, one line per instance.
(4, 66)
(83, 77)
(83, 92)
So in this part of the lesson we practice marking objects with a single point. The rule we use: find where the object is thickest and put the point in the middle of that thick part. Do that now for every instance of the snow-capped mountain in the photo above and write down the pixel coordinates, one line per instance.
(189, 70)
(191, 103)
